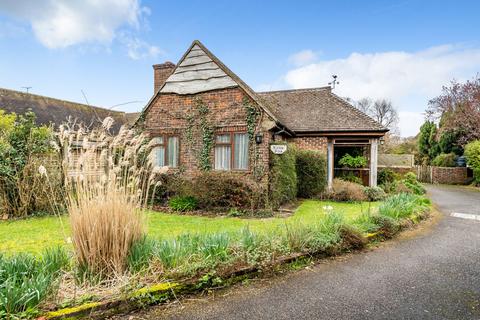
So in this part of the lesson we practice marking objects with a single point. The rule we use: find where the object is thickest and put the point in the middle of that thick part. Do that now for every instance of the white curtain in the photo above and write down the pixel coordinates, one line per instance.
(241, 151)
(172, 153)
(223, 153)
(159, 156)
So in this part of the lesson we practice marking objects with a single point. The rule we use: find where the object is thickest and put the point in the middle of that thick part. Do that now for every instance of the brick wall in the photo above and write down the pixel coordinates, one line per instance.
(169, 115)
(447, 175)
(160, 74)
(310, 143)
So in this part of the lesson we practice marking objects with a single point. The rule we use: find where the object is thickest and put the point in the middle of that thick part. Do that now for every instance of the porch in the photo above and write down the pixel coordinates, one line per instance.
(356, 146)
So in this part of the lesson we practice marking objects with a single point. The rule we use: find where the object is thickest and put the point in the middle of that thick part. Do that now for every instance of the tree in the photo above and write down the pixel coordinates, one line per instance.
(458, 108)
(381, 110)
(428, 147)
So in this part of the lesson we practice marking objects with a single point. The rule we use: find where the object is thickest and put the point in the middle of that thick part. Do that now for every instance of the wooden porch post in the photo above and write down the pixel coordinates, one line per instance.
(373, 162)
(330, 164)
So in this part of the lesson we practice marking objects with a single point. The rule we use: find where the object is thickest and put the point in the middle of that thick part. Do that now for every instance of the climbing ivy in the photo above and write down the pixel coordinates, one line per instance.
(207, 136)
(190, 118)
(252, 115)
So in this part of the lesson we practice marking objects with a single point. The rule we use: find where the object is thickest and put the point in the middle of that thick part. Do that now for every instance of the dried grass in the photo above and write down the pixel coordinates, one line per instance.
(108, 179)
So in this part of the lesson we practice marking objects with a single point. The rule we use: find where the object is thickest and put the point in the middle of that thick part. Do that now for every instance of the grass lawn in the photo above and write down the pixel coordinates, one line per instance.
(35, 234)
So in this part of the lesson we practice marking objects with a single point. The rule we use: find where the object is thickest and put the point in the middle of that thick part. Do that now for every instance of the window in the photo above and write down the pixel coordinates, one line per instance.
(165, 151)
(231, 151)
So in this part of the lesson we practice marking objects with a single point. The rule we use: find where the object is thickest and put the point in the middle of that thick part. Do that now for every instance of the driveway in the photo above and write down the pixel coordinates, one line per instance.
(430, 273)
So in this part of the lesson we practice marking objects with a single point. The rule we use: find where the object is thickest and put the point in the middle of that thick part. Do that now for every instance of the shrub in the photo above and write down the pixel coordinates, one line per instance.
(347, 191)
(375, 193)
(351, 177)
(283, 177)
(183, 203)
(226, 190)
(472, 153)
(311, 173)
(445, 160)
(352, 162)
(386, 176)
(22, 145)
(411, 182)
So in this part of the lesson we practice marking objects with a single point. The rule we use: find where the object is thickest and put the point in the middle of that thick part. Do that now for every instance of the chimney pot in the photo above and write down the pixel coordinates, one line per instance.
(160, 74)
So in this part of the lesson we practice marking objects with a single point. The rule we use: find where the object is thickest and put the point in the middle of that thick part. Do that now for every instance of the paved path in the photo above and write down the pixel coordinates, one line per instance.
(432, 273)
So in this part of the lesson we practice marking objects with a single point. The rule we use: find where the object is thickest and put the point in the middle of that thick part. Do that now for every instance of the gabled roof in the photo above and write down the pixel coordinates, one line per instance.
(55, 111)
(199, 70)
(317, 110)
(296, 111)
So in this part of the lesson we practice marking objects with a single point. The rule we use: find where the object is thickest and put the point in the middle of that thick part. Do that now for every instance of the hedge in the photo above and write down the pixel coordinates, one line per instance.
(311, 173)
(283, 177)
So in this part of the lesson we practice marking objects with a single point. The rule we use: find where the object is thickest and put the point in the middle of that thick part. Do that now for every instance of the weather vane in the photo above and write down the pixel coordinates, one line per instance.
(334, 82)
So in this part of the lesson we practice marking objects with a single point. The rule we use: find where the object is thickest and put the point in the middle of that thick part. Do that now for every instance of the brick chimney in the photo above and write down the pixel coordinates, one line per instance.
(160, 74)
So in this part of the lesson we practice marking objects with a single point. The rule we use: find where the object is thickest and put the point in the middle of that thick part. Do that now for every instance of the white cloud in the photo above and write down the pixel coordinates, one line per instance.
(137, 48)
(302, 58)
(63, 23)
(409, 79)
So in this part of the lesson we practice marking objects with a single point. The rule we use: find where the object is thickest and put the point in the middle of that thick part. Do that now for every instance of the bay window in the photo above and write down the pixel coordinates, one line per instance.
(231, 151)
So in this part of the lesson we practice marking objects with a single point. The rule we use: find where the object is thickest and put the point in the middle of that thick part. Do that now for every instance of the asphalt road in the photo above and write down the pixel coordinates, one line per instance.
(429, 273)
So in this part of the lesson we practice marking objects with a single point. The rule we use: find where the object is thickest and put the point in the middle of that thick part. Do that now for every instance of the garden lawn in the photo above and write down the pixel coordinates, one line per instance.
(35, 234)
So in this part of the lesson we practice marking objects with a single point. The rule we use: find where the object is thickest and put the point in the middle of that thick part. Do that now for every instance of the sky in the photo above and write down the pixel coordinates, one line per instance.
(102, 51)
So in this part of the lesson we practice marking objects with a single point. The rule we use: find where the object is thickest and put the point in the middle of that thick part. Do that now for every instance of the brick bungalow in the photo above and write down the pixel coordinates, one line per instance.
(202, 116)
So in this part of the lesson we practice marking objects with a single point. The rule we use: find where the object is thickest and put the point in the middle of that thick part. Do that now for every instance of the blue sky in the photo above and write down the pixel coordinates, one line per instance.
(400, 50)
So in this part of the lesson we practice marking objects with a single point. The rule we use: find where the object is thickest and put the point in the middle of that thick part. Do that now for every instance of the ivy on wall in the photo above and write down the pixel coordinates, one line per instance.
(207, 133)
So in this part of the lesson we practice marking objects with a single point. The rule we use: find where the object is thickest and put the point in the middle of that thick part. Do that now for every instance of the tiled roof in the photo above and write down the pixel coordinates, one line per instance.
(317, 110)
(50, 110)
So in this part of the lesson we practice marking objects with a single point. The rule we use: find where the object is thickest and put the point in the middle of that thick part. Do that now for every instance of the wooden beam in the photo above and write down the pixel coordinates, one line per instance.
(373, 162)
(330, 165)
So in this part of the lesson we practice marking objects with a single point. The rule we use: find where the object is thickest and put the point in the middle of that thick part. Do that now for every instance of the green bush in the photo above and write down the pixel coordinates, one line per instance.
(472, 153)
(283, 177)
(375, 193)
(226, 190)
(445, 160)
(353, 162)
(411, 182)
(386, 176)
(351, 177)
(311, 173)
(183, 203)
(346, 191)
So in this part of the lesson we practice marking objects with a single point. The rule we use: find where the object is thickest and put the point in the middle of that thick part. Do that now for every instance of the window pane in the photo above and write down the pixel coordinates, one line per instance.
(157, 140)
(241, 151)
(172, 153)
(223, 157)
(223, 138)
(158, 156)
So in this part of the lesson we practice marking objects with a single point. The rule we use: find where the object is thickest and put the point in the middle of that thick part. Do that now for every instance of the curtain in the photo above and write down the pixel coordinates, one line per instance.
(159, 156)
(172, 154)
(223, 153)
(241, 151)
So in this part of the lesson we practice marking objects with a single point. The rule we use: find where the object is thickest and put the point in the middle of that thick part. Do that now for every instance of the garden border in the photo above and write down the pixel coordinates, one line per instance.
(162, 292)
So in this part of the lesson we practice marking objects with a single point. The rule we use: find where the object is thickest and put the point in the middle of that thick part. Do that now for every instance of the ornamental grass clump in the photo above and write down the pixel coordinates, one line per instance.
(108, 179)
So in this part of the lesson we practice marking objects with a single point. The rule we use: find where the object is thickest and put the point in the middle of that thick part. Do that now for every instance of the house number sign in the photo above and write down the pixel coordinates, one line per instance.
(278, 148)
